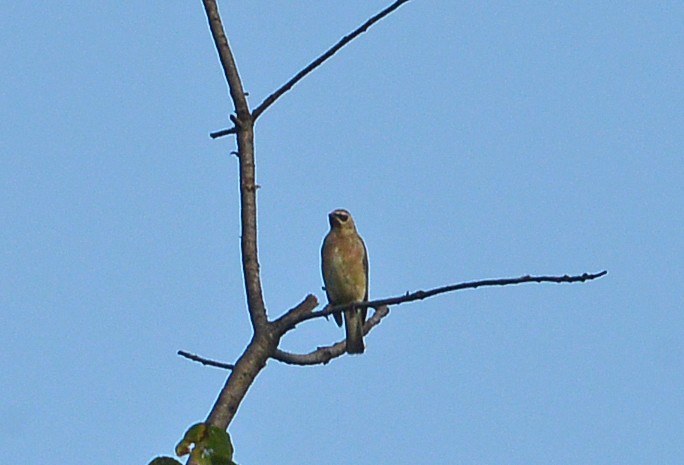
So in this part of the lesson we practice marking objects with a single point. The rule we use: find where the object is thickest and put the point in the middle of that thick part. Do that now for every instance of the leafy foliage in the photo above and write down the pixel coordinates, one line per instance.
(164, 461)
(207, 445)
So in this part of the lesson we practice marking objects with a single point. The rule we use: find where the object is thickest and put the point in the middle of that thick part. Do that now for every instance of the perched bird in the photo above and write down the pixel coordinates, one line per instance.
(344, 262)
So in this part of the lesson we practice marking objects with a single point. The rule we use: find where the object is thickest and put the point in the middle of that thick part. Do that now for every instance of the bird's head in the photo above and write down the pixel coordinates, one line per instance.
(341, 221)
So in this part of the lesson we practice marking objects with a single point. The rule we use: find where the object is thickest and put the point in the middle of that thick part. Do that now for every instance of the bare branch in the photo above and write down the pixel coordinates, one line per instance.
(420, 295)
(223, 132)
(318, 61)
(320, 356)
(292, 316)
(323, 355)
(246, 369)
(244, 124)
(237, 94)
(262, 345)
(205, 361)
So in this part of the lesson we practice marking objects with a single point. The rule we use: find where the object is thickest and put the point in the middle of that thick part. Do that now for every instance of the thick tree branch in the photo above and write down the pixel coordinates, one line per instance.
(248, 239)
(248, 366)
(263, 343)
(329, 53)
(244, 123)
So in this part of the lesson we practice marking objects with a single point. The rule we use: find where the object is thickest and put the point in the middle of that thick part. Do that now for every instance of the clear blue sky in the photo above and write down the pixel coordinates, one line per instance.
(470, 140)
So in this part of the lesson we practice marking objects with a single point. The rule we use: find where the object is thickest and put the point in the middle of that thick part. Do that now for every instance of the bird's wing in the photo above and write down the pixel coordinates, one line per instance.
(365, 270)
(326, 259)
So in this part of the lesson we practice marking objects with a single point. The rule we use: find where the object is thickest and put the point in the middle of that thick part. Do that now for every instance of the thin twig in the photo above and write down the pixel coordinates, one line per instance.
(206, 361)
(288, 320)
(318, 61)
(230, 71)
(223, 132)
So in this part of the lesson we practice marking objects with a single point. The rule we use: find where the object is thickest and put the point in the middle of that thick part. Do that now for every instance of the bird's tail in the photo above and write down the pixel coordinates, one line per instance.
(354, 329)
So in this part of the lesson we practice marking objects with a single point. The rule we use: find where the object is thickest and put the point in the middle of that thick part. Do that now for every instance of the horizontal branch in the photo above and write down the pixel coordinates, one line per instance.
(320, 356)
(205, 361)
(223, 132)
(420, 295)
(323, 355)
(321, 59)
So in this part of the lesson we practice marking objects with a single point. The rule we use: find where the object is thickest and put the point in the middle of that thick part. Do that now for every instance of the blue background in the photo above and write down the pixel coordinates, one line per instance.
(470, 140)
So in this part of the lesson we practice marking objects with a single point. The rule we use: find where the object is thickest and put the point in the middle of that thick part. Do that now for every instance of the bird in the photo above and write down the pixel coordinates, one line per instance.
(344, 263)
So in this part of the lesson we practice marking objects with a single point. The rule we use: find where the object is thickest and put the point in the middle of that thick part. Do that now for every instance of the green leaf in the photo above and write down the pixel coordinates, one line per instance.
(207, 445)
(164, 461)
